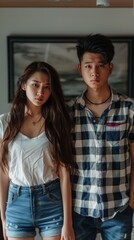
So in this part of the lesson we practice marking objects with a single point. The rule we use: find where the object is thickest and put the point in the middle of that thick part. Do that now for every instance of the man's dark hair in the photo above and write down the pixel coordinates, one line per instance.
(96, 44)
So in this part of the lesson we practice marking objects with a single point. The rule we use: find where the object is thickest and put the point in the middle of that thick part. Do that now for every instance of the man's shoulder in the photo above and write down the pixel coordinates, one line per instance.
(122, 97)
(76, 101)
(127, 100)
(71, 103)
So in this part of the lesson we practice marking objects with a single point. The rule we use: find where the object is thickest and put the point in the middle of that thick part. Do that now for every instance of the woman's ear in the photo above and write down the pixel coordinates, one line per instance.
(23, 87)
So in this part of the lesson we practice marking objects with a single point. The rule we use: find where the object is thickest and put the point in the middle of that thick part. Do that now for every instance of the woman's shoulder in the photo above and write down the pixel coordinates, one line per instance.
(4, 117)
(4, 120)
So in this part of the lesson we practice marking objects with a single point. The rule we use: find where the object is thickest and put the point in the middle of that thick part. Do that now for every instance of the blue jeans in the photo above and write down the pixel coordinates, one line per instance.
(117, 228)
(34, 207)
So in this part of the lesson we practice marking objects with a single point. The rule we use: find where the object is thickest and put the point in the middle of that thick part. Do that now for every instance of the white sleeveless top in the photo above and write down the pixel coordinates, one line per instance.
(28, 158)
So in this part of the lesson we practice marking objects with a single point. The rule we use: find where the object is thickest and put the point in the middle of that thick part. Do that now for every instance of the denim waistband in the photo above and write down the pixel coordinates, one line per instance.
(45, 186)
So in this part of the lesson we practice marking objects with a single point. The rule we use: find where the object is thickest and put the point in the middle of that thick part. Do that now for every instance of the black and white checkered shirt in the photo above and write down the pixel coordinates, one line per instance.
(101, 150)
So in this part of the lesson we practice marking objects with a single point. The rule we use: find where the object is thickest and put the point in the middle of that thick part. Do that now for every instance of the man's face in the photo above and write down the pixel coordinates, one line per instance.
(94, 71)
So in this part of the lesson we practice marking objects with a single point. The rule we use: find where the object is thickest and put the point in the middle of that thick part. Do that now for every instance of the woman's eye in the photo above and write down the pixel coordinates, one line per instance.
(35, 85)
(47, 87)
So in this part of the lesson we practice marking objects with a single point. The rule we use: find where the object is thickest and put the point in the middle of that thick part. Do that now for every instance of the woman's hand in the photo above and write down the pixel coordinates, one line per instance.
(4, 229)
(67, 233)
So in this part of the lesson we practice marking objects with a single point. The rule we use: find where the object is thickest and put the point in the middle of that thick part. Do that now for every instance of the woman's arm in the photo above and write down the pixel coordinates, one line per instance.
(67, 230)
(4, 184)
(131, 200)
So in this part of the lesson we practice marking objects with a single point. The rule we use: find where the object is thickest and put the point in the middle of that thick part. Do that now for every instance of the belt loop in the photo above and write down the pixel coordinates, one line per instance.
(18, 190)
(44, 189)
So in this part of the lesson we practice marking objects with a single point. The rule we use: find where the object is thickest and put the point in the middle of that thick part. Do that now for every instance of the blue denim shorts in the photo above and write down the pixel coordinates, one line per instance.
(30, 208)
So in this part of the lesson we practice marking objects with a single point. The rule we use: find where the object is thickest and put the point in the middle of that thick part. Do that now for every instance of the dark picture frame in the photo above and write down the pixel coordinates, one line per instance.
(60, 52)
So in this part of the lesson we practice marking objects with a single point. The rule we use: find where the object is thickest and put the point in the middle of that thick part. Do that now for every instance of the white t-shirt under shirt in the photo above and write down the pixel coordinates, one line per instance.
(28, 158)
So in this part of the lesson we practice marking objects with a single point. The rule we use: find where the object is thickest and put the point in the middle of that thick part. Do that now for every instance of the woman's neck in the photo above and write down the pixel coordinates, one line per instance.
(32, 111)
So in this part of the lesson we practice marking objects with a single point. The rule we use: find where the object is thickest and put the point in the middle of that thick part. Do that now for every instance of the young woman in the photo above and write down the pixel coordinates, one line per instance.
(36, 159)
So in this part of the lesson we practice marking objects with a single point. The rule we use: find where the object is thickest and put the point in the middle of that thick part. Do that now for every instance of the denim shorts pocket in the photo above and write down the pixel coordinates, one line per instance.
(12, 196)
(55, 195)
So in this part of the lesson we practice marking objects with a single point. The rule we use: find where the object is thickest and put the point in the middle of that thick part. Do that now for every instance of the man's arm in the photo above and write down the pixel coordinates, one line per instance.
(131, 200)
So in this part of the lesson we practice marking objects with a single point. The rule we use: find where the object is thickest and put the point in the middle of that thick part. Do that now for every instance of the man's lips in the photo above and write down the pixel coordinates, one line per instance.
(94, 81)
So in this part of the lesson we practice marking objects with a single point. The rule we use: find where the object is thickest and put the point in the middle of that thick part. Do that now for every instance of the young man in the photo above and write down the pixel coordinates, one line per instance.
(103, 146)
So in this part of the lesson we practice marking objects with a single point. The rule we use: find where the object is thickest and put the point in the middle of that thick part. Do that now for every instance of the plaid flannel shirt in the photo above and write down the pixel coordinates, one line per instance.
(101, 150)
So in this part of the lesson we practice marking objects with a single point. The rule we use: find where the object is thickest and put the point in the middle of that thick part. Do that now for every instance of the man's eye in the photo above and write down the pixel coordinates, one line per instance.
(88, 66)
(101, 65)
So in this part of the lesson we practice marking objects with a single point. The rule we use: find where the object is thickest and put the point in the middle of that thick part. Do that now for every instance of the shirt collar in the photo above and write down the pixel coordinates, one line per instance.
(80, 99)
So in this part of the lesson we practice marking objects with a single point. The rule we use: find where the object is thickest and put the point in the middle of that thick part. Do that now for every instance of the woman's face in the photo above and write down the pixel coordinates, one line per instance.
(38, 89)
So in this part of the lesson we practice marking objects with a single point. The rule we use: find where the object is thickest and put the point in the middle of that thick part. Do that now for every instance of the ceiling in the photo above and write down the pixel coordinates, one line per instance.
(64, 3)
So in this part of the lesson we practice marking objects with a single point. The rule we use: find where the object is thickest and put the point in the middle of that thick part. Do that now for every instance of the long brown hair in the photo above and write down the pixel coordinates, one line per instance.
(57, 120)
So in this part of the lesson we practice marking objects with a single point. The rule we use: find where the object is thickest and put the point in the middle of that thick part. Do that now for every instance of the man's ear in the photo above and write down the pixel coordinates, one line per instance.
(111, 67)
(79, 68)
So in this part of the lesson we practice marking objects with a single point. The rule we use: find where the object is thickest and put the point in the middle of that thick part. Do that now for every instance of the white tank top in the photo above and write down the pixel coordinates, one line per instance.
(29, 159)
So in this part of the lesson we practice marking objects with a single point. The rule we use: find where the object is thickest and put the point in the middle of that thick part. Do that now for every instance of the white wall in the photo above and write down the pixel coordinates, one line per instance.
(57, 21)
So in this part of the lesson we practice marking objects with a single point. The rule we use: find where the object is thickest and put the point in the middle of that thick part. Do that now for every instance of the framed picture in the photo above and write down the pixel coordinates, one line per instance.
(60, 52)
